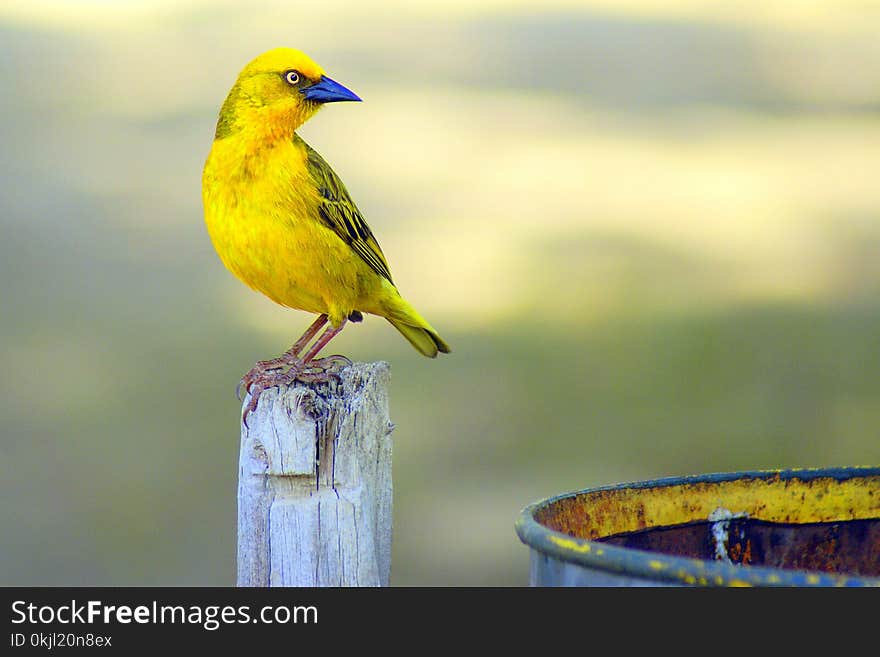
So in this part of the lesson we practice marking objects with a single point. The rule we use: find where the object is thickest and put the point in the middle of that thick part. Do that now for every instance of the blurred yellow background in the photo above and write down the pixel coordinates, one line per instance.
(650, 231)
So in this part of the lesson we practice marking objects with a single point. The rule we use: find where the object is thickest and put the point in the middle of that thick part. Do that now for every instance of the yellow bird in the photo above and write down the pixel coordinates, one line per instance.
(282, 221)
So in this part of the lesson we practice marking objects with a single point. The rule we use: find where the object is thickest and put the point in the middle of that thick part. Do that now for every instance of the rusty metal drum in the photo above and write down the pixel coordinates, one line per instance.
(768, 528)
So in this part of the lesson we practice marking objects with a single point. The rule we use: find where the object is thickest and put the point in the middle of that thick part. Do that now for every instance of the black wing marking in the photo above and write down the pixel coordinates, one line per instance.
(339, 212)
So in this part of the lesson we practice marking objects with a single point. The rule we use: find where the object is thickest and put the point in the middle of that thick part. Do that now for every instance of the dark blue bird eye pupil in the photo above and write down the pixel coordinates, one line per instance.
(292, 77)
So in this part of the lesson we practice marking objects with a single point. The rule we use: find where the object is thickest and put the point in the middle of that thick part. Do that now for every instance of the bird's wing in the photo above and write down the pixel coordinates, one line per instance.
(339, 212)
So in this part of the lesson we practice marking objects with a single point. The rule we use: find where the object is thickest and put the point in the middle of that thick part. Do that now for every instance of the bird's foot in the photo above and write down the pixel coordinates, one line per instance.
(264, 375)
(272, 373)
(331, 364)
(264, 368)
(321, 370)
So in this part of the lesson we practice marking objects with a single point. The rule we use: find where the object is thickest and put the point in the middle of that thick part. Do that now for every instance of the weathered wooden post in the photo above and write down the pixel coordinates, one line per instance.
(314, 490)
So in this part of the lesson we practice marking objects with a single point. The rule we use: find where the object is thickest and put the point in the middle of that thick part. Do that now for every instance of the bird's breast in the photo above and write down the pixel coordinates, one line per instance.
(261, 212)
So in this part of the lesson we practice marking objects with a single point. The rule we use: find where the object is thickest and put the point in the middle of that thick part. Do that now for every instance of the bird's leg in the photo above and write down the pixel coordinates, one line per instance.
(288, 359)
(322, 369)
(310, 333)
(320, 343)
(302, 369)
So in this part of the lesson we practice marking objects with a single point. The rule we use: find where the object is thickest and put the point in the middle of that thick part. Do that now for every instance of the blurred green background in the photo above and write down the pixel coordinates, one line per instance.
(650, 232)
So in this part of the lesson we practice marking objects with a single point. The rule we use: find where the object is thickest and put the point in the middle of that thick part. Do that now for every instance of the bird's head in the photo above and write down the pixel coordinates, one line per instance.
(277, 92)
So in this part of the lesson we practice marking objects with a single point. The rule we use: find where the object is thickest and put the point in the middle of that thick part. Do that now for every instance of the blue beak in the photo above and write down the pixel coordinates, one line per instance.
(328, 91)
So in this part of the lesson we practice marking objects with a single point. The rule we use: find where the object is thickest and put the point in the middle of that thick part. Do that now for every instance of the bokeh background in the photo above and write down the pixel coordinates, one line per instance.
(650, 230)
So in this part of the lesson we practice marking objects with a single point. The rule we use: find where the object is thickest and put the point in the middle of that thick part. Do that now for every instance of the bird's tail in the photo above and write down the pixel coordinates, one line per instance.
(414, 327)
(425, 340)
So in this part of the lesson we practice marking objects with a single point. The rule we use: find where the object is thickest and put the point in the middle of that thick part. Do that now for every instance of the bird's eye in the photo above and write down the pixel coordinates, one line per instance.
(292, 77)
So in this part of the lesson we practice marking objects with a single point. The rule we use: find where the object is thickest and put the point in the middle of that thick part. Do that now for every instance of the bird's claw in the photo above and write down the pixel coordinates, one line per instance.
(261, 369)
(272, 373)
(330, 364)
(255, 383)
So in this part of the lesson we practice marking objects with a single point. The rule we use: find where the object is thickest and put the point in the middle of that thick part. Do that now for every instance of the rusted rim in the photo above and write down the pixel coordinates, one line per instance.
(682, 570)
